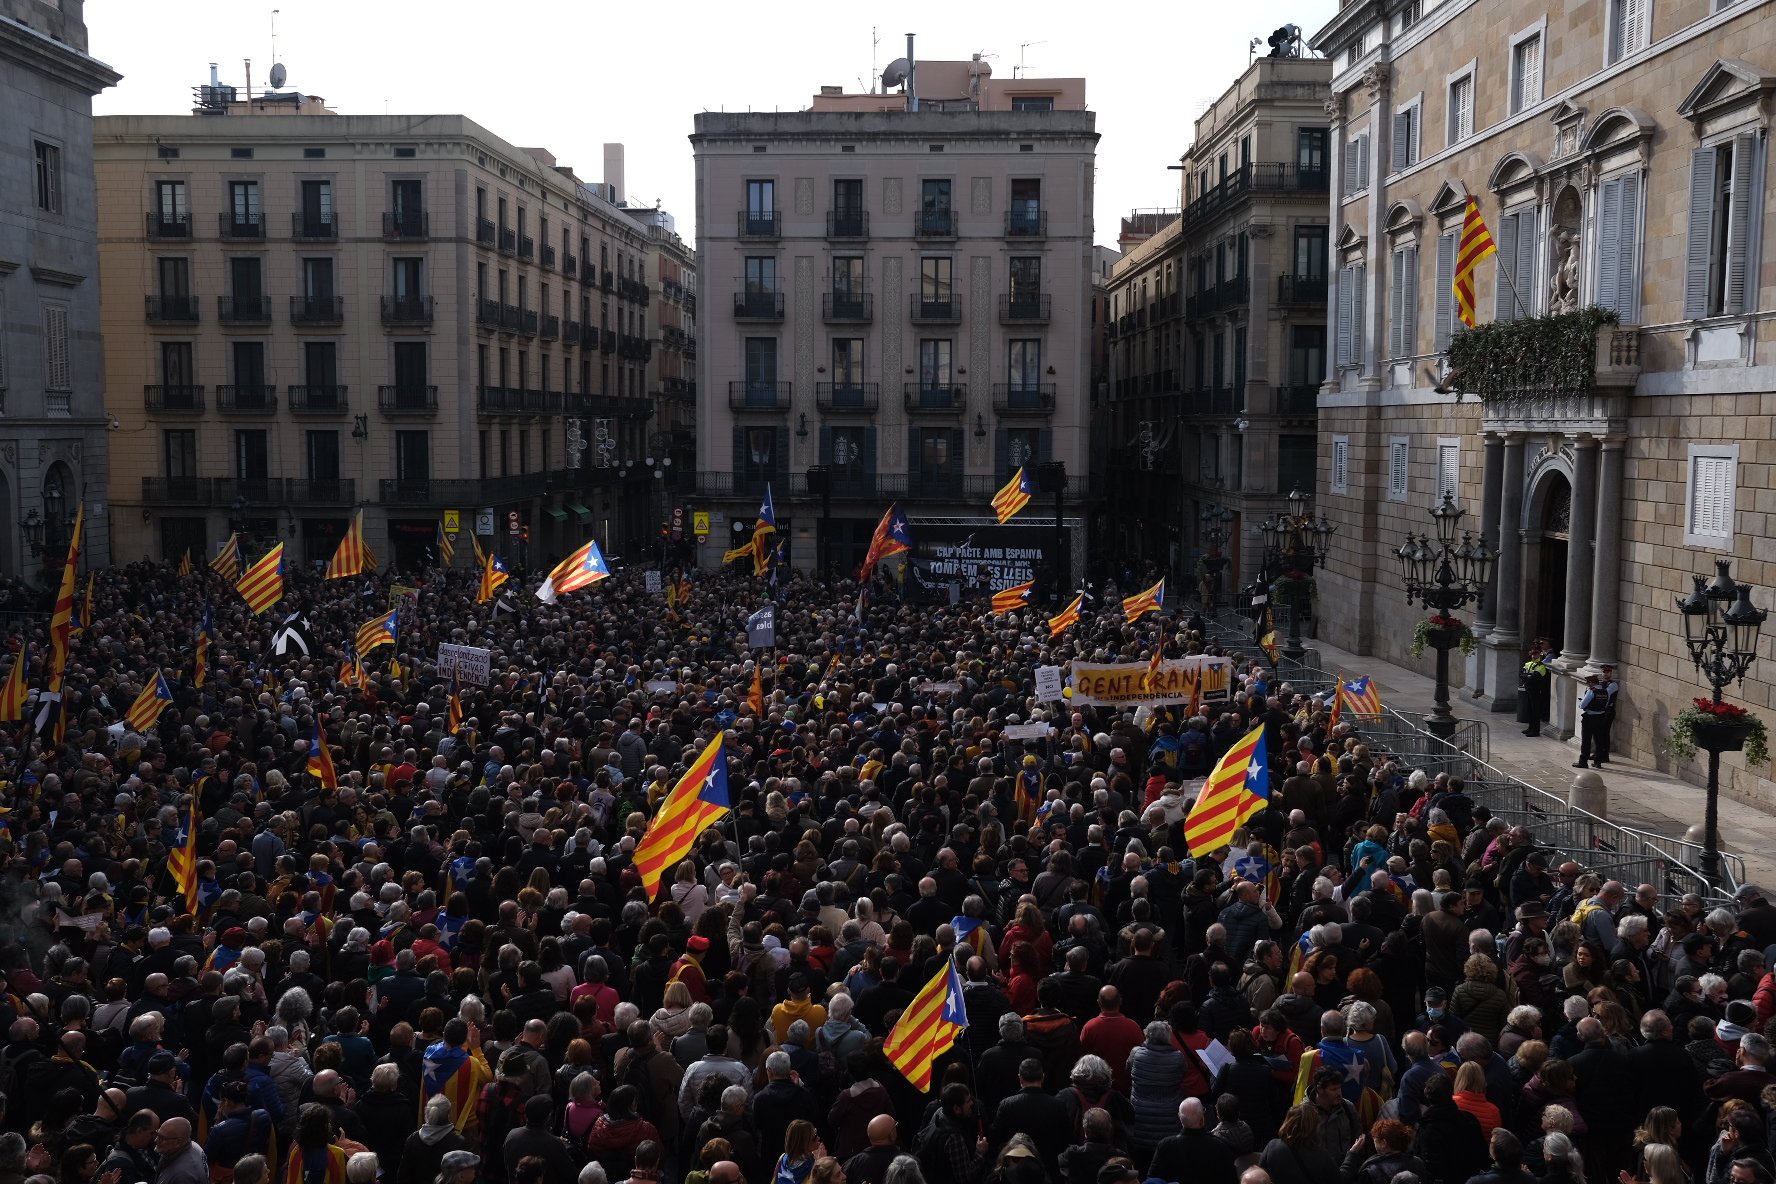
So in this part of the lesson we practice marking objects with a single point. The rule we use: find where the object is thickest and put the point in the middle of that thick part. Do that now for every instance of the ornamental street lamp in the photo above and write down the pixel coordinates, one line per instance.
(1216, 529)
(1721, 630)
(1443, 578)
(1294, 544)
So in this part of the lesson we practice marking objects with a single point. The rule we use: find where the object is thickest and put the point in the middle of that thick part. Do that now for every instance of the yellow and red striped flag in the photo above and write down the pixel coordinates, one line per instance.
(352, 557)
(1151, 679)
(144, 713)
(696, 803)
(227, 562)
(185, 563)
(12, 694)
(1014, 497)
(262, 584)
(1237, 789)
(206, 632)
(1141, 603)
(1476, 244)
(755, 698)
(1362, 695)
(480, 555)
(61, 625)
(83, 618)
(1009, 600)
(320, 757)
(382, 629)
(493, 574)
(928, 1027)
(446, 548)
(453, 713)
(1067, 617)
(182, 858)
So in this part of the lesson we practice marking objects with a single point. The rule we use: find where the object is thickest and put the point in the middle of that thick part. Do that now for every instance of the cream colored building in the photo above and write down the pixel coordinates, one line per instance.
(1618, 151)
(311, 313)
(903, 296)
(1219, 327)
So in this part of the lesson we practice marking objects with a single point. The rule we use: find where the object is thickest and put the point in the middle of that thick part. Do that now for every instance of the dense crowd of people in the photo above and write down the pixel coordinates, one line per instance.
(446, 971)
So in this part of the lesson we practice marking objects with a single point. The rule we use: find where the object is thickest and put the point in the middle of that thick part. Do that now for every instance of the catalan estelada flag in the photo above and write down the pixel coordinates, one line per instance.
(378, 631)
(1009, 600)
(696, 803)
(446, 548)
(1067, 617)
(743, 551)
(1014, 497)
(262, 584)
(185, 563)
(1361, 695)
(320, 757)
(144, 713)
(351, 670)
(206, 635)
(352, 557)
(1237, 789)
(12, 694)
(581, 569)
(762, 529)
(928, 1027)
(456, 1073)
(493, 574)
(83, 617)
(182, 857)
(453, 712)
(227, 562)
(326, 1169)
(1476, 244)
(893, 537)
(1141, 603)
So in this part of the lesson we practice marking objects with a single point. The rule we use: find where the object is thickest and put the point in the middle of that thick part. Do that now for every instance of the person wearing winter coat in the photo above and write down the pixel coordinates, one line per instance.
(1448, 1140)
(1381, 1155)
(1156, 1074)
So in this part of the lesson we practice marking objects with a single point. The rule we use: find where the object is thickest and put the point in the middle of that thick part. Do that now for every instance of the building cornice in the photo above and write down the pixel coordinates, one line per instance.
(1347, 26)
(25, 46)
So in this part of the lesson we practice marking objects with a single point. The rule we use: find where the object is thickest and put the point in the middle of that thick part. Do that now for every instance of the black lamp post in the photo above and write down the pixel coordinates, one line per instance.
(1294, 544)
(1721, 629)
(1444, 578)
(1216, 522)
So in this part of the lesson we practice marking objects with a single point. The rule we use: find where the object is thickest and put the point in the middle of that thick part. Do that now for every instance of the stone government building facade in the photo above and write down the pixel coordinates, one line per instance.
(1619, 151)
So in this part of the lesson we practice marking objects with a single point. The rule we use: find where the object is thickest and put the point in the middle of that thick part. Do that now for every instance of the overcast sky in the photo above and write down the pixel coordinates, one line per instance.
(569, 75)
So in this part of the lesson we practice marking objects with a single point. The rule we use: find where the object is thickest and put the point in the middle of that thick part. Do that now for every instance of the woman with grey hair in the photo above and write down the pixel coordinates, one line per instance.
(1156, 1070)
(903, 1169)
(1092, 1086)
(251, 1169)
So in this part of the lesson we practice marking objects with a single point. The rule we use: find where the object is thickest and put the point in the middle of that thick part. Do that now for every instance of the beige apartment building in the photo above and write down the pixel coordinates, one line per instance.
(310, 314)
(1219, 330)
(1619, 154)
(904, 307)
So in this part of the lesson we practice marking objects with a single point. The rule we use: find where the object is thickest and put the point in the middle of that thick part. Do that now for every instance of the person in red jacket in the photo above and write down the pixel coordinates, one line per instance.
(1112, 1035)
(689, 969)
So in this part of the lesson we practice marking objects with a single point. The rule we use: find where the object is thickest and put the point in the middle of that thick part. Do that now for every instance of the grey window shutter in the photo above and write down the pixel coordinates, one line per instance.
(1409, 303)
(1445, 289)
(1502, 302)
(1350, 167)
(1402, 148)
(1609, 237)
(1628, 252)
(1359, 346)
(1701, 236)
(1396, 302)
(1346, 306)
(1527, 287)
(1363, 161)
(1745, 161)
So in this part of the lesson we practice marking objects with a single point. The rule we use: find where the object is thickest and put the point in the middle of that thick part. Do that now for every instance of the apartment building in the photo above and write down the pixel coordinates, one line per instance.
(671, 373)
(904, 308)
(1219, 328)
(311, 314)
(1619, 154)
(52, 399)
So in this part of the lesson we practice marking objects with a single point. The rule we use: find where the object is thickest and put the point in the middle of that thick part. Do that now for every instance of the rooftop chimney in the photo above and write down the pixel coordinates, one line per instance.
(613, 172)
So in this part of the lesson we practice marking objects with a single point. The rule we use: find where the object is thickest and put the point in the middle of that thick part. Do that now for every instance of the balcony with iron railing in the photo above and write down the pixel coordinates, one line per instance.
(509, 318)
(943, 398)
(1299, 400)
(487, 313)
(407, 311)
(934, 224)
(318, 399)
(321, 491)
(172, 310)
(165, 226)
(758, 395)
(529, 321)
(570, 266)
(317, 227)
(1213, 400)
(928, 311)
(242, 226)
(849, 307)
(548, 257)
(1024, 398)
(758, 305)
(636, 407)
(407, 399)
(243, 310)
(588, 271)
(847, 224)
(607, 341)
(508, 241)
(570, 334)
(317, 310)
(258, 491)
(184, 399)
(1026, 223)
(588, 336)
(550, 329)
(485, 234)
(759, 224)
(1301, 289)
(607, 282)
(526, 247)
(848, 396)
(179, 491)
(406, 225)
(1030, 308)
(1257, 177)
(247, 400)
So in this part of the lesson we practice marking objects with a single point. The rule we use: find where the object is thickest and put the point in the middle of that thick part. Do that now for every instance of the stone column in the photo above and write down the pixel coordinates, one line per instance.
(1581, 537)
(1605, 572)
(1501, 646)
(1491, 489)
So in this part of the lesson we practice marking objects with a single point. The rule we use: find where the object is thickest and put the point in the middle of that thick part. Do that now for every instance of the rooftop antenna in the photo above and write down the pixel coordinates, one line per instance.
(1018, 73)
(875, 44)
(249, 65)
(274, 36)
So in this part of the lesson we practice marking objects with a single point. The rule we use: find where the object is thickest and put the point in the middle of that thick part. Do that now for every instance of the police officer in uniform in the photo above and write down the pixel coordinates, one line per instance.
(1593, 723)
(1533, 688)
(1611, 689)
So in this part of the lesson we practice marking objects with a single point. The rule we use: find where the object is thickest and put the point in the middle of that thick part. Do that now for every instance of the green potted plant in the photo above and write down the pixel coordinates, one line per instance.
(1717, 727)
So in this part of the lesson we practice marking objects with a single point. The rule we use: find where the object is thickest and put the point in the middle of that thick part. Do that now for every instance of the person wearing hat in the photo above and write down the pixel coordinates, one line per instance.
(1593, 735)
(688, 969)
(162, 1093)
(1533, 685)
(1532, 921)
(458, 1167)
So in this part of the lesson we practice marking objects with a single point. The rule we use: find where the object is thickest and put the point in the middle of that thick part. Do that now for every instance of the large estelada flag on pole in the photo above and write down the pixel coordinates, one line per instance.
(145, 712)
(695, 804)
(1237, 789)
(1014, 497)
(1141, 603)
(928, 1027)
(581, 569)
(762, 529)
(893, 537)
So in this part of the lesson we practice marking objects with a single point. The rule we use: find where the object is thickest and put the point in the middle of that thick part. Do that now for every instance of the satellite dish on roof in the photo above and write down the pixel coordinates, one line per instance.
(278, 74)
(896, 73)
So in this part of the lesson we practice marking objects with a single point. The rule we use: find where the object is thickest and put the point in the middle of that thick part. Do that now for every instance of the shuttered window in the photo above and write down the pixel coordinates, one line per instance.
(1725, 189)
(1356, 164)
(1446, 244)
(58, 374)
(1461, 108)
(1448, 469)
(1405, 146)
(1630, 27)
(1341, 448)
(1709, 499)
(1348, 348)
(1397, 470)
(1618, 247)
(1526, 73)
(1403, 303)
(1514, 294)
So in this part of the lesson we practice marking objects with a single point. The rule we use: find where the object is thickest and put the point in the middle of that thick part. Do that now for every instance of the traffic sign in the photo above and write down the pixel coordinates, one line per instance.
(700, 522)
(452, 521)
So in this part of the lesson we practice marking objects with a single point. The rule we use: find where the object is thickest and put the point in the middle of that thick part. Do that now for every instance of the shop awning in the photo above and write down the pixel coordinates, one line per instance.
(558, 515)
(580, 512)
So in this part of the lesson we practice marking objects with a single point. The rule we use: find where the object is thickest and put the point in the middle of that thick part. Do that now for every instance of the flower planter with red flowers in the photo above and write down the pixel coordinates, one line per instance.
(1717, 727)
